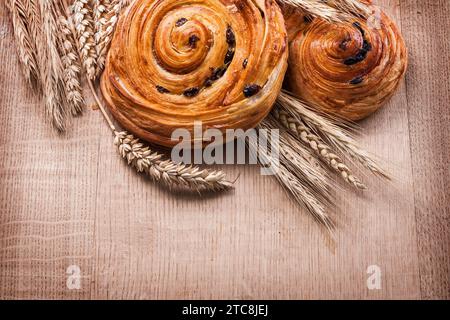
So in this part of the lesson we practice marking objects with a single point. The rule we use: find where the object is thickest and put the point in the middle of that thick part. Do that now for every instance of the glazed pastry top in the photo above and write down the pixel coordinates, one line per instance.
(174, 62)
(348, 69)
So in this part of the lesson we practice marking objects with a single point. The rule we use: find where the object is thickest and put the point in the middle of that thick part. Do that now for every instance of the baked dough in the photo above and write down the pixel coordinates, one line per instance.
(174, 62)
(349, 70)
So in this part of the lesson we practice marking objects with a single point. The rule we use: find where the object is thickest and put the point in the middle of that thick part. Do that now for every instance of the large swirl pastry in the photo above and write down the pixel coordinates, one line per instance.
(175, 62)
(349, 70)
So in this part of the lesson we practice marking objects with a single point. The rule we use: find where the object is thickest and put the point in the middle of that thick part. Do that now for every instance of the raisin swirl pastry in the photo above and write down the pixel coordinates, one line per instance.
(175, 62)
(349, 70)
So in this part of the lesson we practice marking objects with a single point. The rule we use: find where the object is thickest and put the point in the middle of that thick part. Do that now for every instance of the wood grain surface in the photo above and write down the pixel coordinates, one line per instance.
(69, 200)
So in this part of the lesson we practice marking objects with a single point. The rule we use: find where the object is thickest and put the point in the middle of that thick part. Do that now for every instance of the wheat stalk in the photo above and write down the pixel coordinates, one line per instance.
(299, 158)
(22, 26)
(313, 141)
(331, 10)
(46, 51)
(106, 17)
(307, 184)
(72, 68)
(143, 159)
(52, 69)
(84, 27)
(33, 22)
(330, 132)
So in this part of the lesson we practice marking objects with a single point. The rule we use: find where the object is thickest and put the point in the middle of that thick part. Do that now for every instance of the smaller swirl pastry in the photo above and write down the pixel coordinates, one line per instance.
(175, 62)
(349, 70)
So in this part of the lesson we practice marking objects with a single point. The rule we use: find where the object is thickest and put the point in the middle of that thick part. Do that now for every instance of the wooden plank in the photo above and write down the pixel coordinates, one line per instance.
(426, 25)
(47, 190)
(256, 243)
(71, 200)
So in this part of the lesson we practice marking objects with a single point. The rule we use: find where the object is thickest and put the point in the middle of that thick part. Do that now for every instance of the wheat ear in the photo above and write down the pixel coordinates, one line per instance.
(84, 27)
(126, 3)
(331, 10)
(298, 157)
(72, 68)
(51, 66)
(315, 143)
(303, 181)
(34, 15)
(106, 16)
(25, 44)
(143, 159)
(335, 135)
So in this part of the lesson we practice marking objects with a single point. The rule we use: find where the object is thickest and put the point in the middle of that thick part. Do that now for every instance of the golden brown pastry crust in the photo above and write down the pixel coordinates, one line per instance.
(173, 62)
(349, 70)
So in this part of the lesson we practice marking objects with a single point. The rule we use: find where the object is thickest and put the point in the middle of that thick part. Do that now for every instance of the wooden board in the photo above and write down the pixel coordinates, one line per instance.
(69, 200)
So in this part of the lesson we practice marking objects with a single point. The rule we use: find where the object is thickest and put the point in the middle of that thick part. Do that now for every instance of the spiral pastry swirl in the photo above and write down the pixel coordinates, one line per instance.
(174, 62)
(349, 70)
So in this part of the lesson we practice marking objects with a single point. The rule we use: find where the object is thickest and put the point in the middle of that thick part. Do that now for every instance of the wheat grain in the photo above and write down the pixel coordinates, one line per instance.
(106, 16)
(126, 3)
(72, 68)
(84, 26)
(33, 21)
(330, 132)
(25, 44)
(331, 10)
(143, 159)
(100, 7)
(323, 150)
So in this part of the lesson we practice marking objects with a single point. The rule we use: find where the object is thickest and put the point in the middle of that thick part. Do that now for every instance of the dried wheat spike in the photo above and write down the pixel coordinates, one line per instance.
(170, 174)
(72, 68)
(100, 8)
(84, 26)
(290, 173)
(325, 153)
(126, 3)
(106, 16)
(338, 137)
(34, 16)
(51, 67)
(302, 195)
(331, 10)
(25, 44)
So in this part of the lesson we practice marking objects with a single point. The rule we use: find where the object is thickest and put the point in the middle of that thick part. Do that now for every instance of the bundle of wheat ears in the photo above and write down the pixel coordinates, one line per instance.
(60, 43)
